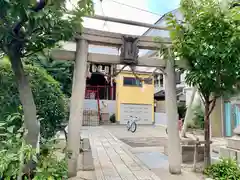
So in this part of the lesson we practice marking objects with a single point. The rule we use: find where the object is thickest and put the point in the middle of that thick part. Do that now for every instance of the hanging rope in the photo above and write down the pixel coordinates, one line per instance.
(115, 74)
(149, 77)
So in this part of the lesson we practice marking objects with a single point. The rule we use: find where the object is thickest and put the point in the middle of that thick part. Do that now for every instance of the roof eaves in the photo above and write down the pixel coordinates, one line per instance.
(145, 33)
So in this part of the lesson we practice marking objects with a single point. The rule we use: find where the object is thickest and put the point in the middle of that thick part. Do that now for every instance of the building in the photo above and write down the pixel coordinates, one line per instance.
(102, 86)
(226, 116)
(135, 97)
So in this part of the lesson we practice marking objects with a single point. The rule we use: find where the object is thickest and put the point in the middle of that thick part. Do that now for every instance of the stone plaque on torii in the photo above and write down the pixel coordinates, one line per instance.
(129, 56)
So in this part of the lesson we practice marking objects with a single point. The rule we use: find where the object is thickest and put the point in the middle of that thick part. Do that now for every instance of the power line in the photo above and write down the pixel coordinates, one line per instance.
(105, 22)
(134, 7)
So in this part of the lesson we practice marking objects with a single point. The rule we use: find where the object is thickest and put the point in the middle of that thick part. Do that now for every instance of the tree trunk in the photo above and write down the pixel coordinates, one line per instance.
(207, 155)
(26, 97)
(188, 115)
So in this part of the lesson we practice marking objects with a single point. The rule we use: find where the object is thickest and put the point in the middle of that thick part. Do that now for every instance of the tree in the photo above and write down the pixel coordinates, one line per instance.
(27, 28)
(62, 71)
(209, 40)
(50, 102)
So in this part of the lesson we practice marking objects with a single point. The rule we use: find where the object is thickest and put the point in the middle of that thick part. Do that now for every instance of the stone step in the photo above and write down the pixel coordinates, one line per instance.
(85, 161)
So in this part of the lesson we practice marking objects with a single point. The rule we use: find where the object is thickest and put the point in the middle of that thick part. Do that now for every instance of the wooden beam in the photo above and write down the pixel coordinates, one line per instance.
(129, 22)
(104, 38)
(114, 59)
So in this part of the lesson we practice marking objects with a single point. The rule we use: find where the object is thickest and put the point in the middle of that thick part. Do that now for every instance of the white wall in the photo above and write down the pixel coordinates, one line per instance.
(160, 119)
(92, 105)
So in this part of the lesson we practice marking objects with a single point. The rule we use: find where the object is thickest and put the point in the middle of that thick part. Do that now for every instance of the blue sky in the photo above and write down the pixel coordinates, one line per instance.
(162, 6)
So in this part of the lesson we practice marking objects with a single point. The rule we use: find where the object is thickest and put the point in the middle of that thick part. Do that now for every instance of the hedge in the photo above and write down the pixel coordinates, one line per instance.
(49, 99)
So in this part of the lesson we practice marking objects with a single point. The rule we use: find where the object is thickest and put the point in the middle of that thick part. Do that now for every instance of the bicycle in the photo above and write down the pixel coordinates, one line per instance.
(131, 124)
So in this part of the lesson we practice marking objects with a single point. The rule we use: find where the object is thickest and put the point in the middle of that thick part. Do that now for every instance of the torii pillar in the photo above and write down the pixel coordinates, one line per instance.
(76, 105)
(174, 149)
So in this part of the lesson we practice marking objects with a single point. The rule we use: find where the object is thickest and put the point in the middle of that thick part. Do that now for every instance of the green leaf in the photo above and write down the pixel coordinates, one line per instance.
(10, 129)
(2, 124)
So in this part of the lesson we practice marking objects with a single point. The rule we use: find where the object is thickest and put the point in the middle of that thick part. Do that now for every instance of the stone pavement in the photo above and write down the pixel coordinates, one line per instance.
(112, 159)
(115, 160)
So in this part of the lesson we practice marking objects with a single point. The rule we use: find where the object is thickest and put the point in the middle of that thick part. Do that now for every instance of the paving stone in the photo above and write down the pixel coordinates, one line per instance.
(112, 161)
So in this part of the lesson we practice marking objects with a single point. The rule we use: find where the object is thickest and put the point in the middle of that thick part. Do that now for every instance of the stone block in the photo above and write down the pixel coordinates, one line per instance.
(88, 161)
(214, 160)
(86, 144)
(85, 159)
(188, 153)
(232, 154)
(80, 162)
(224, 152)
(234, 142)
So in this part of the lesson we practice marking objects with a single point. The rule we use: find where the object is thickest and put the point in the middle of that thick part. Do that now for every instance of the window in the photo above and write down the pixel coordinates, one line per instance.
(148, 81)
(130, 81)
(158, 80)
(178, 77)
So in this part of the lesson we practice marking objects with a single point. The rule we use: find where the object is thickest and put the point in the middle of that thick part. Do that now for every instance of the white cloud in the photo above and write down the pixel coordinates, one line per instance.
(112, 9)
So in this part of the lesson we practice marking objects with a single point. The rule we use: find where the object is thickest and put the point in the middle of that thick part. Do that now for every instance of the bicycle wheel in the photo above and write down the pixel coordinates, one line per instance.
(128, 125)
(133, 127)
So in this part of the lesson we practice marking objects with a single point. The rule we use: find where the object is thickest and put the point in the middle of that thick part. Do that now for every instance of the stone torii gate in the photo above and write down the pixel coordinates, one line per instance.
(81, 56)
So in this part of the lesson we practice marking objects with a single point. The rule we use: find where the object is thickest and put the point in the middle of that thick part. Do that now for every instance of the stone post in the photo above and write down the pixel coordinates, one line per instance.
(174, 150)
(76, 106)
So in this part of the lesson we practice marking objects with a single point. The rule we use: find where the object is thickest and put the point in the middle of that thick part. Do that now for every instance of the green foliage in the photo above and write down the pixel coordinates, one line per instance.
(113, 118)
(50, 101)
(209, 40)
(198, 118)
(49, 165)
(10, 146)
(226, 169)
(62, 71)
(42, 29)
(235, 9)
(14, 153)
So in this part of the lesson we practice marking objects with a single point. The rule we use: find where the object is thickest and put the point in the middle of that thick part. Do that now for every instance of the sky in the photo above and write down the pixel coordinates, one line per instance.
(160, 6)
(113, 9)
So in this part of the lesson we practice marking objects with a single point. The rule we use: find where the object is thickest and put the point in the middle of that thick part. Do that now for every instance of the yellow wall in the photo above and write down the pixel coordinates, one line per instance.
(133, 95)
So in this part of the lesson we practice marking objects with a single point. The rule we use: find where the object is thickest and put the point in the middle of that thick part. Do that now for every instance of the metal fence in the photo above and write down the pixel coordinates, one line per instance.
(90, 118)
